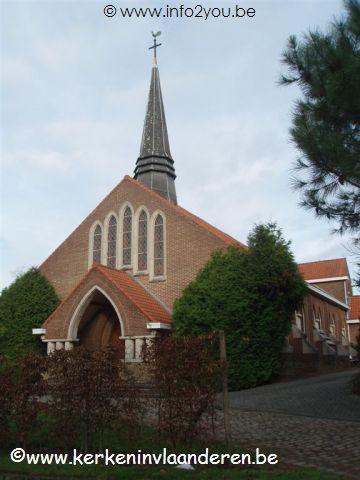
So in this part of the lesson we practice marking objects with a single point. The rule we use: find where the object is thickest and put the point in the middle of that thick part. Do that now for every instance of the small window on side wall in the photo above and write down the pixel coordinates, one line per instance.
(343, 333)
(332, 328)
(97, 244)
(159, 246)
(316, 320)
(299, 320)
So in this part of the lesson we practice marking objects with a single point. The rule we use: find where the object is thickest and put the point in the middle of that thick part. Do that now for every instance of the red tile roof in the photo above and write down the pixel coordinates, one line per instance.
(136, 294)
(184, 213)
(128, 287)
(354, 307)
(324, 269)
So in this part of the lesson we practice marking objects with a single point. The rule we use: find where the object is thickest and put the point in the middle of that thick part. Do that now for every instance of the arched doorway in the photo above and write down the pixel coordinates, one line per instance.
(99, 325)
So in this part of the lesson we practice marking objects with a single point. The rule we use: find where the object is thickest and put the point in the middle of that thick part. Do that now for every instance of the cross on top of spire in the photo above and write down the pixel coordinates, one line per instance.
(155, 166)
(156, 45)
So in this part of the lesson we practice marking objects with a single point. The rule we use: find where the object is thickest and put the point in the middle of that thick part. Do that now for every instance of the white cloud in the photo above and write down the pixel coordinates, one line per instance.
(73, 101)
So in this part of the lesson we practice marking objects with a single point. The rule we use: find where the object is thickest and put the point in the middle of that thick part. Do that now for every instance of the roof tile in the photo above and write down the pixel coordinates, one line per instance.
(324, 269)
(137, 294)
(128, 287)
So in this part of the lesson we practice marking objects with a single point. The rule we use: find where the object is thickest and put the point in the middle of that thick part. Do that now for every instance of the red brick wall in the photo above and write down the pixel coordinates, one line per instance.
(189, 246)
(354, 329)
(336, 288)
(326, 310)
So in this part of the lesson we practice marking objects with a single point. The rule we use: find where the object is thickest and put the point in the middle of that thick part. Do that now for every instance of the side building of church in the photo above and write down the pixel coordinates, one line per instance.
(120, 271)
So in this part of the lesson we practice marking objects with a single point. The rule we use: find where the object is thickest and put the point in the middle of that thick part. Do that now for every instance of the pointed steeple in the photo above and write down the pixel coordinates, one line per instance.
(155, 166)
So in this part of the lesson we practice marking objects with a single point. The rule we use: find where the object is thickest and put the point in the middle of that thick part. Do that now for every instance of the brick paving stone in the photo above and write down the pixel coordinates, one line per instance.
(331, 444)
(324, 396)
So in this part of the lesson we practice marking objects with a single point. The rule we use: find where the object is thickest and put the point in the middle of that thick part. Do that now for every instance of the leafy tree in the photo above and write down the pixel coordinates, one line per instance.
(326, 121)
(252, 296)
(24, 305)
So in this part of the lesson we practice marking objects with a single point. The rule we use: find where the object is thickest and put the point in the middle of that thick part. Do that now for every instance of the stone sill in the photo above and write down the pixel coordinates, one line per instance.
(141, 273)
(157, 279)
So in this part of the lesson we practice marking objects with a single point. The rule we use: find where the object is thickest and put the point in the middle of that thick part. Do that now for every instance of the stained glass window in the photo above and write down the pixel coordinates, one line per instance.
(97, 245)
(111, 252)
(127, 228)
(142, 241)
(159, 246)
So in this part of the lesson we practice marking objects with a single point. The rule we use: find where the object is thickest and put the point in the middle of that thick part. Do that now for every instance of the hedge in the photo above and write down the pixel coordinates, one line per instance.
(24, 305)
(251, 295)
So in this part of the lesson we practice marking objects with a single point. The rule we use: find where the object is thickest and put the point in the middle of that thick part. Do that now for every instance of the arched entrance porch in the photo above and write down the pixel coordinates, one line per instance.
(96, 323)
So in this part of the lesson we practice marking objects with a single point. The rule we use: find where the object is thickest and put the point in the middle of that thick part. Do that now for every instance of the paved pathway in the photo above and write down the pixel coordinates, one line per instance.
(325, 396)
(312, 422)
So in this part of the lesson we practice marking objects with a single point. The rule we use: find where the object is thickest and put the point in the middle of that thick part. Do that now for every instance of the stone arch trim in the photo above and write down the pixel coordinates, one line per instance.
(62, 324)
(81, 307)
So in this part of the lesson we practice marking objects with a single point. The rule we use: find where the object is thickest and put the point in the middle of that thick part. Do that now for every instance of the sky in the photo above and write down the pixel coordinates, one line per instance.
(73, 97)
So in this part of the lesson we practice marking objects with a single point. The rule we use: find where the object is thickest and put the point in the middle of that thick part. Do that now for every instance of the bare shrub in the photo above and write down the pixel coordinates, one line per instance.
(185, 377)
(22, 385)
(90, 394)
(6, 382)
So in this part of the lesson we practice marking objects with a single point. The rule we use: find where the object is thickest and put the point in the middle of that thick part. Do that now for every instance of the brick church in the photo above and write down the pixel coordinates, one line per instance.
(120, 271)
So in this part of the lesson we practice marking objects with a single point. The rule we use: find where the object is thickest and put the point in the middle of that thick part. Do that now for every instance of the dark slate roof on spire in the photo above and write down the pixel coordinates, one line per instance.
(155, 141)
(155, 166)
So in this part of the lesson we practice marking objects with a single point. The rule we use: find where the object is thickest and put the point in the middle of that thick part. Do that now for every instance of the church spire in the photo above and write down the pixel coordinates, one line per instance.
(155, 166)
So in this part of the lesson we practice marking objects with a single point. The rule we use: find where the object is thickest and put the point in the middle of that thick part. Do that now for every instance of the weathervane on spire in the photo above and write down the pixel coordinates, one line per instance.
(156, 45)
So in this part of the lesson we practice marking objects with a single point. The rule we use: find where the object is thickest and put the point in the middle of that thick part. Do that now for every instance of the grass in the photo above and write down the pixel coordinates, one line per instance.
(101, 472)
